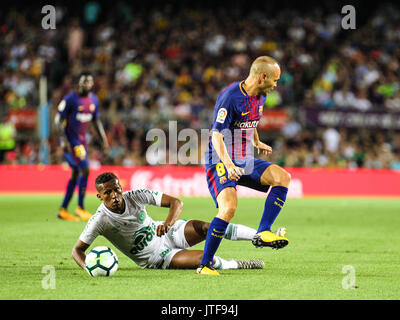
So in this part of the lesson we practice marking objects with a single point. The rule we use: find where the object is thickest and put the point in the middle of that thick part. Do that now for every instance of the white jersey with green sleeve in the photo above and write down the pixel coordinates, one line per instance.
(133, 232)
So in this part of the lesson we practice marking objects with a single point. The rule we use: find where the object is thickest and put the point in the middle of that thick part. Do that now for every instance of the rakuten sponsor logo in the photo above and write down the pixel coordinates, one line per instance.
(84, 117)
(246, 124)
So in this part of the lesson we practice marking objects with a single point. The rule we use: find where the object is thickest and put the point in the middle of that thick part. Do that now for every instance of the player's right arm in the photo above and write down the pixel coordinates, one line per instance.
(234, 172)
(78, 253)
(60, 122)
(223, 118)
(92, 230)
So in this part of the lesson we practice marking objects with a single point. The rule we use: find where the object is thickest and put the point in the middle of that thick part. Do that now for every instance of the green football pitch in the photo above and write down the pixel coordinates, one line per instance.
(339, 249)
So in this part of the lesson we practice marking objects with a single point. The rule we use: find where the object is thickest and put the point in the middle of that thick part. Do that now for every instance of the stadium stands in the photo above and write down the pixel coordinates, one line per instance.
(167, 62)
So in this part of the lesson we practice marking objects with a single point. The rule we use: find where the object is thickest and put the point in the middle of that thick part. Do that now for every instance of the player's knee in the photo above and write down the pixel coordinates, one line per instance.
(227, 212)
(200, 227)
(204, 228)
(84, 172)
(284, 178)
(74, 174)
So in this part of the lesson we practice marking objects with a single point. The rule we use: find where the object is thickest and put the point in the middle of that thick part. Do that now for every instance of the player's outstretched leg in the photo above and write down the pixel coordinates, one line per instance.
(190, 259)
(237, 232)
(279, 180)
(196, 231)
(63, 212)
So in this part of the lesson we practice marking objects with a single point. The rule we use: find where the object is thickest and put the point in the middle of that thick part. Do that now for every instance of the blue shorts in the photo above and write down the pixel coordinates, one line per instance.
(78, 157)
(217, 177)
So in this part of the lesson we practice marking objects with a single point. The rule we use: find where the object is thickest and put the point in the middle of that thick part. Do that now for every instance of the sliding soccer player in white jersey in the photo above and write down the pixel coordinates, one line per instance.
(123, 220)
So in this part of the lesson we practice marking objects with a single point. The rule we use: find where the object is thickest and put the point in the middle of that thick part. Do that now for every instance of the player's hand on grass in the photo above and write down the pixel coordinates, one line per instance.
(163, 229)
(234, 172)
(263, 148)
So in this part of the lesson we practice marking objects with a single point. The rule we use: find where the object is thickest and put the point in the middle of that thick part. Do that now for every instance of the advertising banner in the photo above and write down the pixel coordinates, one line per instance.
(350, 118)
(191, 181)
(24, 119)
(273, 120)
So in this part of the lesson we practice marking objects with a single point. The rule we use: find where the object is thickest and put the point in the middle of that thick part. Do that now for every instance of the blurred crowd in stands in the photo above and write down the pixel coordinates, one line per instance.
(153, 64)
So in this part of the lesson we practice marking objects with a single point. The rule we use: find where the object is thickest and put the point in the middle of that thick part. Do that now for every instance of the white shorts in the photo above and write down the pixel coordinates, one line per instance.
(169, 245)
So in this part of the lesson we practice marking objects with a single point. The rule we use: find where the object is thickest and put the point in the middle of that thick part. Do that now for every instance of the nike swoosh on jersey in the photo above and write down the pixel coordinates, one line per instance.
(243, 114)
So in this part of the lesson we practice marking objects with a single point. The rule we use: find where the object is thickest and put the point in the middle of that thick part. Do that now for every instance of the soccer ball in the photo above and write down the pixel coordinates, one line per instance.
(101, 261)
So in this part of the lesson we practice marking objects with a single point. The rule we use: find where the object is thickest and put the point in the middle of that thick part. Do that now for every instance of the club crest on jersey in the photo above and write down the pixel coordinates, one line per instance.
(92, 107)
(222, 180)
(221, 115)
(260, 110)
(141, 216)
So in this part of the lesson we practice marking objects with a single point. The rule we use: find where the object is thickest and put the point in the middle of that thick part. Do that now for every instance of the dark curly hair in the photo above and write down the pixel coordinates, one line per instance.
(105, 177)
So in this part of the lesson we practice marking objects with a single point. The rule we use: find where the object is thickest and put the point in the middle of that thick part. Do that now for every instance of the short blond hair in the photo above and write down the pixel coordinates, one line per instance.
(263, 64)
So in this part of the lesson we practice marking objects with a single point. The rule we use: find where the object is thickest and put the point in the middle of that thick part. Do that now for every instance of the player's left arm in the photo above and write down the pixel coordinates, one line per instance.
(98, 125)
(261, 147)
(175, 208)
(100, 131)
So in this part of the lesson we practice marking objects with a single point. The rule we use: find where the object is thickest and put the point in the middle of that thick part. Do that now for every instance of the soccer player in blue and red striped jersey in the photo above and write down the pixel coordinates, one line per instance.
(230, 159)
(75, 112)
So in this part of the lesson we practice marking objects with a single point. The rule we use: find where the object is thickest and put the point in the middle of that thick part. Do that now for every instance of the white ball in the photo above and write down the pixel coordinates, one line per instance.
(101, 261)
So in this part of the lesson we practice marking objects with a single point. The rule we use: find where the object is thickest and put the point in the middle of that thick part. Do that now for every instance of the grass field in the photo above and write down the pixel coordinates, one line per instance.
(327, 237)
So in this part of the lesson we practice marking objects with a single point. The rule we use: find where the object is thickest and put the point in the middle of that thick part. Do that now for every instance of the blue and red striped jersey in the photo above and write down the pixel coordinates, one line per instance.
(78, 112)
(236, 116)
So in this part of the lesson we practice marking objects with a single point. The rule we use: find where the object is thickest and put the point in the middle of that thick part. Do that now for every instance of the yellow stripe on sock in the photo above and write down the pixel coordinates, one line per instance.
(278, 204)
(280, 200)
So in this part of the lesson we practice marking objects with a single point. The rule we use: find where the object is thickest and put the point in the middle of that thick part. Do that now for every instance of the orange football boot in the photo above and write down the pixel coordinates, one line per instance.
(65, 215)
(83, 214)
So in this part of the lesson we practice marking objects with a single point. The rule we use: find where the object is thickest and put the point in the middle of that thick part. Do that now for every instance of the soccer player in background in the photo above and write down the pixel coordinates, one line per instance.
(230, 160)
(75, 112)
(123, 220)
